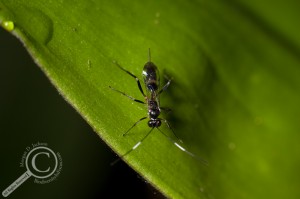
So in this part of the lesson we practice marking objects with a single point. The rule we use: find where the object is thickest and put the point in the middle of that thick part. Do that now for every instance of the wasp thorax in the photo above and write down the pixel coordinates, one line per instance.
(154, 113)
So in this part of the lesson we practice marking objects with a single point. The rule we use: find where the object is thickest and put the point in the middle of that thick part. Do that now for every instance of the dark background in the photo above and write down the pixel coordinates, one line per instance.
(31, 111)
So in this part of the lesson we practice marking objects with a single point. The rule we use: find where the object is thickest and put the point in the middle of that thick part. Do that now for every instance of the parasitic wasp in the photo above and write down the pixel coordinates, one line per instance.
(153, 91)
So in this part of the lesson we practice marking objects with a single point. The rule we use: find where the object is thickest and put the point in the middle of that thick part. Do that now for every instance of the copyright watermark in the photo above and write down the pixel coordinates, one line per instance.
(40, 162)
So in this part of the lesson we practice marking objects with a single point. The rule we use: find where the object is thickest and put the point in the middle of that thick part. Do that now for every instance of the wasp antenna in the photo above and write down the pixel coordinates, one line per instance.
(133, 148)
(204, 162)
(149, 55)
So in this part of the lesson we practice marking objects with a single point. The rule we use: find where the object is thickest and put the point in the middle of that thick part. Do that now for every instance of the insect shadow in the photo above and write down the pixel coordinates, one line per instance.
(151, 79)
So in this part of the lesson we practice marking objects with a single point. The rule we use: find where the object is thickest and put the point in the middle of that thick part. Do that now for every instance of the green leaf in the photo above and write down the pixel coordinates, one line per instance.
(234, 94)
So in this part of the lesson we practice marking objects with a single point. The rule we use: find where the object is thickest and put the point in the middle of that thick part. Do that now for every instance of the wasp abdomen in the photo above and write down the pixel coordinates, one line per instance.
(151, 76)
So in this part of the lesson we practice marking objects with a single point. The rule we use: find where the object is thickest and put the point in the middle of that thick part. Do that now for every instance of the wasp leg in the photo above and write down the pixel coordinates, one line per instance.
(132, 98)
(132, 75)
(164, 88)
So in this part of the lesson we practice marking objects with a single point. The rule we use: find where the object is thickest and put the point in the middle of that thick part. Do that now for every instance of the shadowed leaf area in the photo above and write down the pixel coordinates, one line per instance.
(234, 94)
